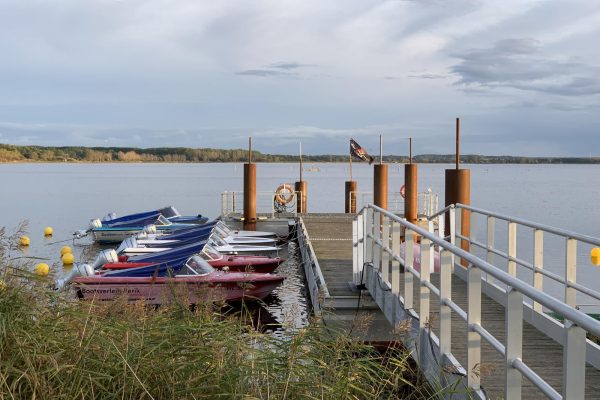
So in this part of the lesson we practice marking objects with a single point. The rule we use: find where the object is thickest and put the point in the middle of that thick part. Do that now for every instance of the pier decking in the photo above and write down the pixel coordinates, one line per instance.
(331, 238)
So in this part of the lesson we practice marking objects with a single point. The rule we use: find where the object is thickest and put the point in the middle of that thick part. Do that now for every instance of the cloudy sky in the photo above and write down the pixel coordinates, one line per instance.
(524, 76)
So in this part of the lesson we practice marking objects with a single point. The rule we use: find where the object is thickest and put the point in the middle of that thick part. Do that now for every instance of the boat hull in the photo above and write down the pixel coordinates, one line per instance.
(239, 264)
(194, 289)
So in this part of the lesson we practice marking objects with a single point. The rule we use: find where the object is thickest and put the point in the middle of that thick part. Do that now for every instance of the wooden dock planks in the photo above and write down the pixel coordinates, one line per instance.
(331, 236)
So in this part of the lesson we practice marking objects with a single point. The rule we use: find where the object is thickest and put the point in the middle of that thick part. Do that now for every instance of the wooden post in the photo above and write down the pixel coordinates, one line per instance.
(350, 197)
(250, 191)
(300, 188)
(410, 192)
(380, 181)
(458, 190)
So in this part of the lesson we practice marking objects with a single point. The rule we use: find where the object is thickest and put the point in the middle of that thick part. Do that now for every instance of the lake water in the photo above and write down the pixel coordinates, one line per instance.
(67, 196)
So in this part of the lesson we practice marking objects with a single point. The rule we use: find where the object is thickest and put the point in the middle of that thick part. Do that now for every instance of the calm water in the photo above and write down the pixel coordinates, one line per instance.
(67, 196)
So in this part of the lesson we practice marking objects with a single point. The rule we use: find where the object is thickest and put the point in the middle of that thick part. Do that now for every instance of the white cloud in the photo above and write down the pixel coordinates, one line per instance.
(172, 72)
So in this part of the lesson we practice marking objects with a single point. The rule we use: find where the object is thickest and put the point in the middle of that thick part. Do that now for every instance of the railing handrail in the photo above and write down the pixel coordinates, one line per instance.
(578, 317)
(547, 228)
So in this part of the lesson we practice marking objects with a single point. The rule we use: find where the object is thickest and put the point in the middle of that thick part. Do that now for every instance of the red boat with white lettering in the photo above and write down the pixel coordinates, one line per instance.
(195, 282)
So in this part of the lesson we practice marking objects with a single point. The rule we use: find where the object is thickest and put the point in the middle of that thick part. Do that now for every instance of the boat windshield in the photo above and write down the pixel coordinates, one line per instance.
(162, 221)
(224, 227)
(211, 252)
(218, 230)
(217, 240)
(197, 266)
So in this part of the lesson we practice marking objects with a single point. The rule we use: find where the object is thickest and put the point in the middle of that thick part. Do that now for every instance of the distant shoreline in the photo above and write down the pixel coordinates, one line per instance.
(80, 154)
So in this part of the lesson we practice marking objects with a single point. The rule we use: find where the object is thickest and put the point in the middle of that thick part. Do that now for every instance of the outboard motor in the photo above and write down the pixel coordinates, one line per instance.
(79, 269)
(149, 229)
(105, 257)
(80, 233)
(95, 223)
(109, 217)
(130, 242)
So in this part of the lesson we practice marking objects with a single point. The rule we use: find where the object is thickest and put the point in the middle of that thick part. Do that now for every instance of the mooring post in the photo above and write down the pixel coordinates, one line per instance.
(458, 190)
(250, 191)
(300, 188)
(380, 181)
(350, 197)
(410, 188)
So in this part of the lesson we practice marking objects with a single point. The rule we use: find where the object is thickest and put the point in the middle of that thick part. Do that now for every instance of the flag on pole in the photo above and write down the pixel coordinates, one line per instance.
(359, 152)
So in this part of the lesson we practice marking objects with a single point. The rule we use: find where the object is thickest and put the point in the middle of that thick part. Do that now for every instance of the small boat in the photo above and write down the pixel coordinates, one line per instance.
(195, 282)
(116, 234)
(169, 213)
(235, 233)
(216, 260)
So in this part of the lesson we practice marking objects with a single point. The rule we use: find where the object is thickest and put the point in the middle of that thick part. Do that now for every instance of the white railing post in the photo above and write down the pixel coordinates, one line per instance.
(538, 262)
(574, 362)
(473, 318)
(571, 272)
(514, 343)
(368, 231)
(223, 204)
(376, 237)
(395, 252)
(360, 235)
(452, 220)
(385, 256)
(491, 233)
(408, 262)
(355, 246)
(445, 294)
(512, 248)
(424, 319)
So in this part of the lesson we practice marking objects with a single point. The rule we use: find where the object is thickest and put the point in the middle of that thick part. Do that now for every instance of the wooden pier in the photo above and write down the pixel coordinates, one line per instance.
(331, 239)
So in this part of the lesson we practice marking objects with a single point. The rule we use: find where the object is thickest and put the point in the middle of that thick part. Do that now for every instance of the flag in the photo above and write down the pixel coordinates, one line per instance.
(359, 152)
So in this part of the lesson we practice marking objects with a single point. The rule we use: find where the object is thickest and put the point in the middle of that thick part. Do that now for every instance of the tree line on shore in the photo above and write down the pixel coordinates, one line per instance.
(12, 153)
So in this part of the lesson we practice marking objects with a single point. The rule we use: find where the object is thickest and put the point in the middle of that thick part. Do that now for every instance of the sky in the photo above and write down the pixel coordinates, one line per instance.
(523, 76)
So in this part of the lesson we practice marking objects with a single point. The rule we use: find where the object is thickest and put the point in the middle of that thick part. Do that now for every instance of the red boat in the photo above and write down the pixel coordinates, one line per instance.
(196, 282)
(234, 263)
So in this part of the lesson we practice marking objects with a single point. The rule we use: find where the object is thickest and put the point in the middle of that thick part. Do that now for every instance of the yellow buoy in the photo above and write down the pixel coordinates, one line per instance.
(24, 241)
(68, 259)
(595, 256)
(48, 231)
(65, 250)
(42, 269)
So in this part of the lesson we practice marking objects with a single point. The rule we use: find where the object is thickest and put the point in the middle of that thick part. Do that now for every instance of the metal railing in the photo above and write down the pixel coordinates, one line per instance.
(568, 280)
(232, 202)
(315, 282)
(428, 202)
(376, 239)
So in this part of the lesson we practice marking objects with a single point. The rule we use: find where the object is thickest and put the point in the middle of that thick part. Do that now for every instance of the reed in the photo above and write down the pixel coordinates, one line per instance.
(53, 346)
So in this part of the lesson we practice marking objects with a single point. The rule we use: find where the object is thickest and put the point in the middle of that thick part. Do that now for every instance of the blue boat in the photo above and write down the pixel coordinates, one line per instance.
(171, 254)
(170, 213)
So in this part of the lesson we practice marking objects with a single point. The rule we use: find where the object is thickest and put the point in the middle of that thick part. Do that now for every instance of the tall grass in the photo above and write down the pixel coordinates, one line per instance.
(52, 346)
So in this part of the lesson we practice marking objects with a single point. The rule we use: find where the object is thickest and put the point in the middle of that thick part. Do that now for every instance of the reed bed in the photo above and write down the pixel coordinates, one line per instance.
(53, 346)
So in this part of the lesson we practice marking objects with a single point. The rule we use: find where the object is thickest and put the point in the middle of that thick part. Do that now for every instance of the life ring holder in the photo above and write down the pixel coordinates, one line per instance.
(284, 194)
(402, 191)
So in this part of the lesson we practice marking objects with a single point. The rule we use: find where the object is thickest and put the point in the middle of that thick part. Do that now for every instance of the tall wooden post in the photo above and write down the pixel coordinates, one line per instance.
(350, 197)
(411, 199)
(458, 190)
(250, 191)
(300, 188)
(380, 180)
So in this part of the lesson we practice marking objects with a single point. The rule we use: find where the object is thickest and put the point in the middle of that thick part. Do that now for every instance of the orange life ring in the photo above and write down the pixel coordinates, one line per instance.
(284, 194)
(402, 191)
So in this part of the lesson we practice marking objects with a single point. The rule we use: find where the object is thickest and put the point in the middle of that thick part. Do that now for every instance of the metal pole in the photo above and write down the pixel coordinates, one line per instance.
(380, 149)
(300, 161)
(457, 143)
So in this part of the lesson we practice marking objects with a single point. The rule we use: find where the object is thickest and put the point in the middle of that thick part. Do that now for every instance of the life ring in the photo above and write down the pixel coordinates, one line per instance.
(402, 191)
(284, 194)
